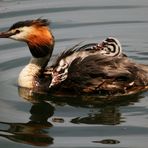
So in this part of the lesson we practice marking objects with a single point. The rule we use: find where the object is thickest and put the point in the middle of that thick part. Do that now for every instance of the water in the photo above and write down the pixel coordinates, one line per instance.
(72, 123)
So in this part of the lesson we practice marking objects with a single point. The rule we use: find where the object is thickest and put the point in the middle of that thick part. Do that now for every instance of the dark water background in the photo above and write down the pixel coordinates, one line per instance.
(123, 124)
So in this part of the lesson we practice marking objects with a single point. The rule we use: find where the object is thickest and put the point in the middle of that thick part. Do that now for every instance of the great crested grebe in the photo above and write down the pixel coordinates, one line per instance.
(90, 69)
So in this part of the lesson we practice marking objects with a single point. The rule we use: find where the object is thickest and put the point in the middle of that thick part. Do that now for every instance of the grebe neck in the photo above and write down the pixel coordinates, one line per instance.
(41, 48)
(31, 73)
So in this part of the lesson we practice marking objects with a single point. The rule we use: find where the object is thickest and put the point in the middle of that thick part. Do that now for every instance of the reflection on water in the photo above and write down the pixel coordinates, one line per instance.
(108, 115)
(83, 101)
(37, 130)
(108, 141)
(32, 132)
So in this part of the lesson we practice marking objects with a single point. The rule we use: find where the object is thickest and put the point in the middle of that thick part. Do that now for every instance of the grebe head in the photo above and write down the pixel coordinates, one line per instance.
(35, 33)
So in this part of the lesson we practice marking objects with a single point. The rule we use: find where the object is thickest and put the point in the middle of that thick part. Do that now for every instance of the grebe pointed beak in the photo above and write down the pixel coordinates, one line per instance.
(6, 34)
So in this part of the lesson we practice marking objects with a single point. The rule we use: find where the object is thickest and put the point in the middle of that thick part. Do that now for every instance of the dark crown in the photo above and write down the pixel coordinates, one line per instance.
(37, 22)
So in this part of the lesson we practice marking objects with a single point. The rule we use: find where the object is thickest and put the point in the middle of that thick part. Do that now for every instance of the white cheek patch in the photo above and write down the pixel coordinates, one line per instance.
(111, 48)
(23, 34)
(62, 65)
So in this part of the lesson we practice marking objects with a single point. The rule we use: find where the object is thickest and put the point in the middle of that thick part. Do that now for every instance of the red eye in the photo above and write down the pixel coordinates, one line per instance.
(17, 31)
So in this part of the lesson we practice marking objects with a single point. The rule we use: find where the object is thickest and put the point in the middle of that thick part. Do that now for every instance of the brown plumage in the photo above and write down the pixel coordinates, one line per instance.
(105, 76)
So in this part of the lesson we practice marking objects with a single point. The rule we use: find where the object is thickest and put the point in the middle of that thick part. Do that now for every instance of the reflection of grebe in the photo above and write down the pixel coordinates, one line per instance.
(93, 68)
(108, 115)
(32, 132)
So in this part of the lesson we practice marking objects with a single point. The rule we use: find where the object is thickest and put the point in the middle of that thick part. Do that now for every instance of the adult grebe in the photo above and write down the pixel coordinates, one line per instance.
(90, 69)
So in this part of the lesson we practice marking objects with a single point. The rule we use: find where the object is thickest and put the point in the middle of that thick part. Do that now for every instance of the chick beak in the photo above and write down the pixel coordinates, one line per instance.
(102, 44)
(6, 34)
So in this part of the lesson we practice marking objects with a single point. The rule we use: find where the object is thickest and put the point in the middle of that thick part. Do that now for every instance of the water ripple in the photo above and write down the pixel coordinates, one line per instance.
(10, 46)
(13, 63)
(73, 25)
(66, 9)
